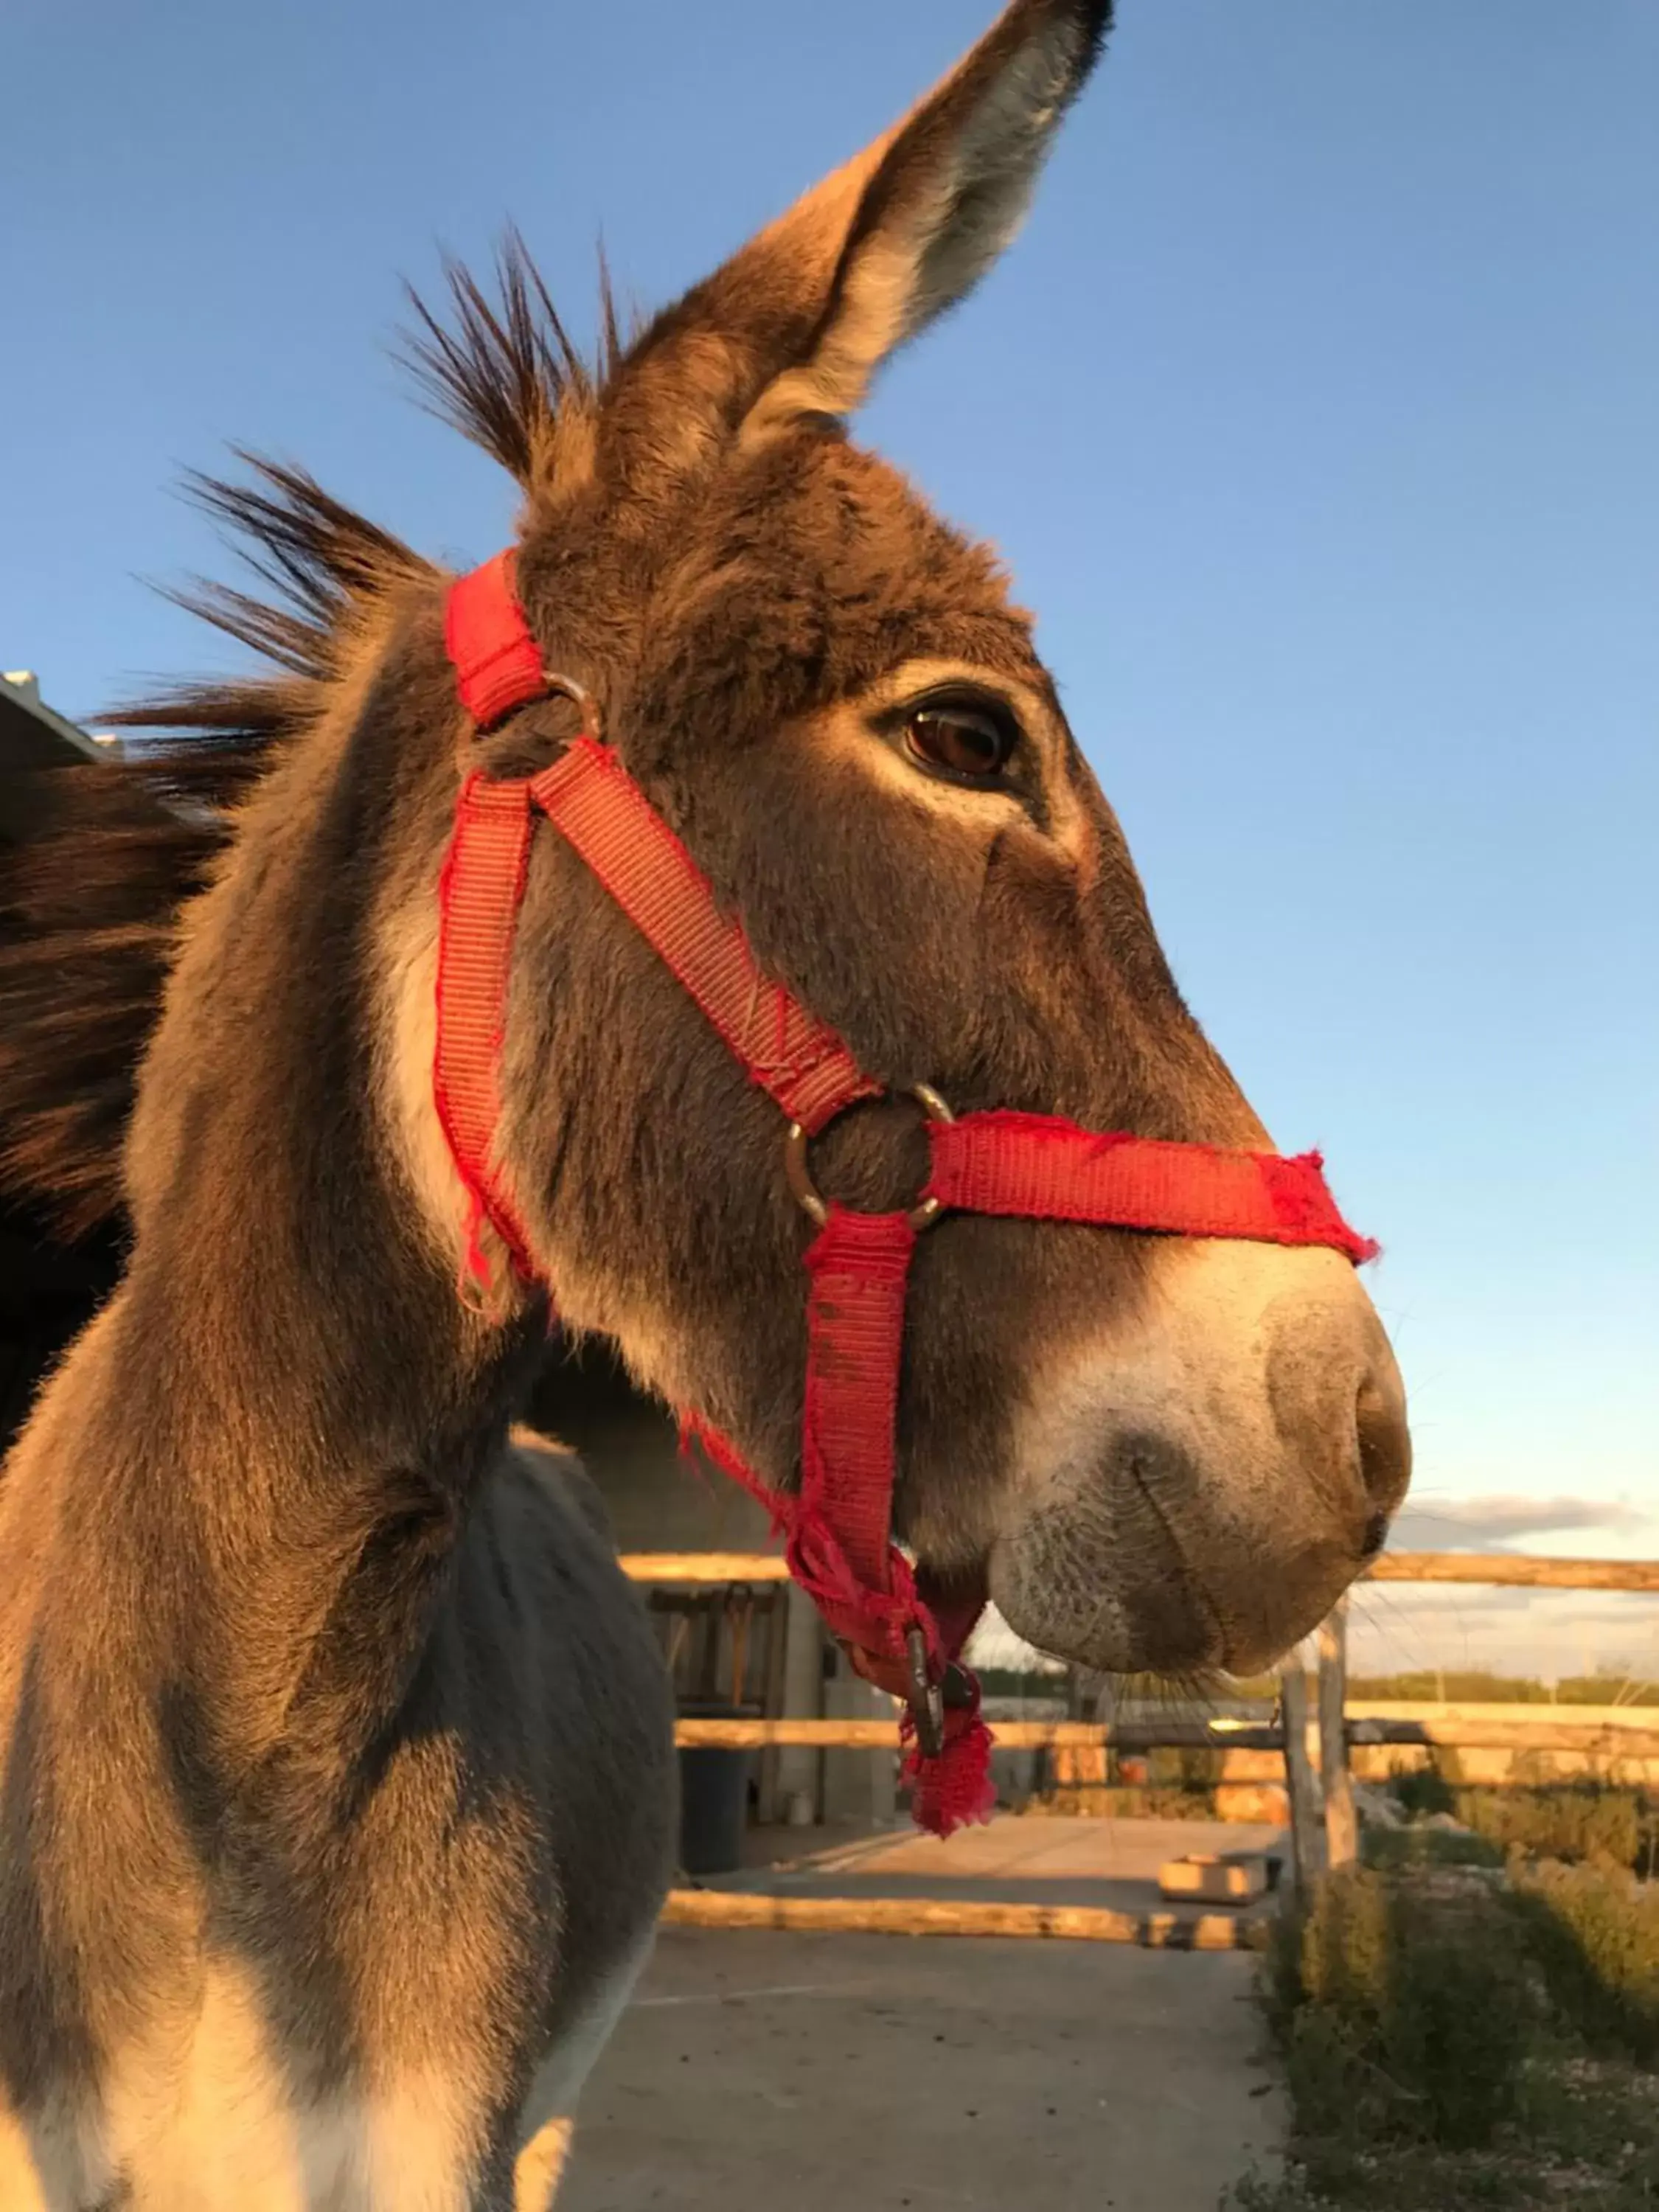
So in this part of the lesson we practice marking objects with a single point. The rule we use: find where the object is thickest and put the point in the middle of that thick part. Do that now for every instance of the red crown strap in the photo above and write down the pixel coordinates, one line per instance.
(498, 664)
(594, 802)
(478, 897)
(1037, 1165)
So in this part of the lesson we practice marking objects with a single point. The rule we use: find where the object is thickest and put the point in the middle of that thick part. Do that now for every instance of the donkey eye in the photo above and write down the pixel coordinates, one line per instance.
(970, 742)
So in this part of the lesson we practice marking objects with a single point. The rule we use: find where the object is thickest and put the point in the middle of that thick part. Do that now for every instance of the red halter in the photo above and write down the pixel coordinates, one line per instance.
(839, 1544)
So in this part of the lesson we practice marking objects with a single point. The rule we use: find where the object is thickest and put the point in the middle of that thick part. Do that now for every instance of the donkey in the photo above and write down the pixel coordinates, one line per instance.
(336, 1791)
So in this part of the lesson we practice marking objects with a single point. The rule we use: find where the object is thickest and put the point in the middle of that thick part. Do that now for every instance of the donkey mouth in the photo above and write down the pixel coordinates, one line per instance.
(956, 1596)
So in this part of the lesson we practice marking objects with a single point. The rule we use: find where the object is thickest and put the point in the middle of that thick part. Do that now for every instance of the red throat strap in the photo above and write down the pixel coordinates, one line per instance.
(838, 1525)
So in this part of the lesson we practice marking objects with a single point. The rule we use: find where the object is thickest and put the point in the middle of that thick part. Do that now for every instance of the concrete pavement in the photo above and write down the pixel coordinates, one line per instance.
(768, 2072)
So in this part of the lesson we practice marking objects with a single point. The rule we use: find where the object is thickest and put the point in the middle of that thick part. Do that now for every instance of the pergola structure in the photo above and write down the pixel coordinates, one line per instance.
(47, 1289)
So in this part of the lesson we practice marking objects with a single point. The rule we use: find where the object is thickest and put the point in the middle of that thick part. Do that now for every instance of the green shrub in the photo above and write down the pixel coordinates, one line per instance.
(1451, 2044)
(1420, 1791)
(1197, 1768)
(1594, 1933)
(1588, 1823)
(1460, 2018)
(1154, 1802)
(1405, 2018)
(1400, 1850)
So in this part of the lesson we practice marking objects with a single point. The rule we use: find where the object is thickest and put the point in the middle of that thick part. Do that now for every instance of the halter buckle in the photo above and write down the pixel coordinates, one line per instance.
(806, 1193)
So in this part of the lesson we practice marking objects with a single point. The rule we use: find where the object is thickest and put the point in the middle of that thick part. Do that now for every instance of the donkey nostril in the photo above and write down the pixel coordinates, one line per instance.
(1385, 1453)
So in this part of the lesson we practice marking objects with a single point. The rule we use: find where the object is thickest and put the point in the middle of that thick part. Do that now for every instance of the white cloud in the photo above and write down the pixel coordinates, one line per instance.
(1398, 1627)
(993, 1644)
(1477, 1523)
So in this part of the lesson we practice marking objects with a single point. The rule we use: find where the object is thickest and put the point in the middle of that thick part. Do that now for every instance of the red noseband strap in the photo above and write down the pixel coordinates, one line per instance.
(1036, 1164)
(898, 1632)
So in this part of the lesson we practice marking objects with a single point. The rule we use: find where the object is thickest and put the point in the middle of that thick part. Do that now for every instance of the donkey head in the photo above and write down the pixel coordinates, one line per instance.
(1156, 1452)
(1152, 1451)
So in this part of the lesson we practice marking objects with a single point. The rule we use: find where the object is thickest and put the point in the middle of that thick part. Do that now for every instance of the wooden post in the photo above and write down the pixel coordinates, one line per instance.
(1341, 1819)
(769, 1808)
(1305, 1850)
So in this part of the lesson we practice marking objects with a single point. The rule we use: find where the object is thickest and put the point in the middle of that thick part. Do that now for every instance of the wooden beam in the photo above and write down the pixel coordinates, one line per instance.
(1510, 1570)
(1306, 1842)
(700, 1567)
(936, 1916)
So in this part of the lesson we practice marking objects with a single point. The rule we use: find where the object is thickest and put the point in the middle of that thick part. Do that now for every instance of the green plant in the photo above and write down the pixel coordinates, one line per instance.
(1399, 1850)
(1437, 2039)
(1594, 1933)
(1406, 2018)
(1192, 1768)
(1588, 1822)
(1421, 1790)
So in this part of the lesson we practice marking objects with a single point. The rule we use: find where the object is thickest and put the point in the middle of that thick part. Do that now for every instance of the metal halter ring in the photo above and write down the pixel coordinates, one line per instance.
(566, 687)
(806, 1192)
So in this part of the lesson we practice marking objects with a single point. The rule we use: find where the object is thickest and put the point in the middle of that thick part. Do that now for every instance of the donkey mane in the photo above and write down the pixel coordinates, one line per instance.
(110, 853)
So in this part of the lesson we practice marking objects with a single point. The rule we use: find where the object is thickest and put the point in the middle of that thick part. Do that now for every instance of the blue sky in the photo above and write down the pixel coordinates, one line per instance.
(1313, 412)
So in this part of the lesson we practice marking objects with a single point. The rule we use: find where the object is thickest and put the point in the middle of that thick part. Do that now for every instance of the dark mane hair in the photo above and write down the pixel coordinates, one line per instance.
(107, 854)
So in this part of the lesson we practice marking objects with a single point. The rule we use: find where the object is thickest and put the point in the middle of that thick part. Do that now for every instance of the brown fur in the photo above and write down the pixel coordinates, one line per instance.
(337, 1752)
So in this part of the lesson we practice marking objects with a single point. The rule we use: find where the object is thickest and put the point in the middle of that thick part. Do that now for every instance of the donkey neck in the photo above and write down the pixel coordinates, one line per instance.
(287, 1380)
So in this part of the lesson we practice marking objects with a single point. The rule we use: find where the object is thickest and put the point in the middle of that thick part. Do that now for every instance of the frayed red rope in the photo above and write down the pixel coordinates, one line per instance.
(954, 1791)
(698, 1436)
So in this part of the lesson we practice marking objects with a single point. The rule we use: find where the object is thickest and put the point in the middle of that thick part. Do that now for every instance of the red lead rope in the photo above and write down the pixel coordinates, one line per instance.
(839, 1524)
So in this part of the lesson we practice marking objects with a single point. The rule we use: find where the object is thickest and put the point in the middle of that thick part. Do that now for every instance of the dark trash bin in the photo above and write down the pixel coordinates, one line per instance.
(714, 1800)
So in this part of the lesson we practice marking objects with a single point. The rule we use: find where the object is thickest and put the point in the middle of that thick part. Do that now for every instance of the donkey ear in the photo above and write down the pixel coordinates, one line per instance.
(801, 319)
(907, 229)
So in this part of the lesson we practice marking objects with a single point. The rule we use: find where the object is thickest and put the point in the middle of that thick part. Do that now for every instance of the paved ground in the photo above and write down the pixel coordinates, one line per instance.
(1050, 1861)
(767, 2072)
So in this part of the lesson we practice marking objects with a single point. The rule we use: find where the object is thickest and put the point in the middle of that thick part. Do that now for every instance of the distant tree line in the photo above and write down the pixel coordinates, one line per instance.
(1608, 1686)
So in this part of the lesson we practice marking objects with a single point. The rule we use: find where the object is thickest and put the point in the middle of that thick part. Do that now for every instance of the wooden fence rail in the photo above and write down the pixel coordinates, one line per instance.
(1510, 1571)
(695, 1568)
(1501, 1570)
(950, 1915)
(1324, 1826)
(1452, 1734)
